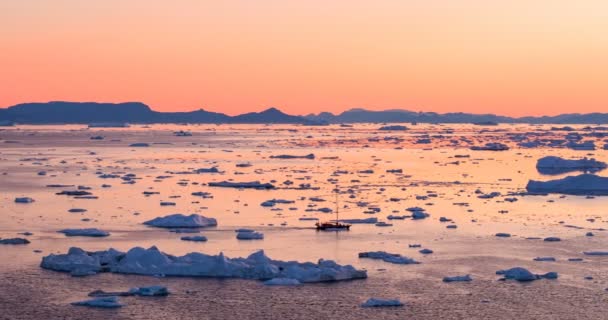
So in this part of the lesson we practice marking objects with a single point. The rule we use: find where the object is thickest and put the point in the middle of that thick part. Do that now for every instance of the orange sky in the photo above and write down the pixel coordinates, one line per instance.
(515, 57)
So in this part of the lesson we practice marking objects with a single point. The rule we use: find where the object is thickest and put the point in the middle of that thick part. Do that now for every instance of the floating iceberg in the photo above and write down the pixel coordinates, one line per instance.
(14, 241)
(464, 278)
(154, 262)
(375, 302)
(388, 257)
(522, 274)
(87, 232)
(179, 220)
(491, 146)
(249, 235)
(252, 185)
(584, 184)
(557, 165)
(309, 156)
(103, 302)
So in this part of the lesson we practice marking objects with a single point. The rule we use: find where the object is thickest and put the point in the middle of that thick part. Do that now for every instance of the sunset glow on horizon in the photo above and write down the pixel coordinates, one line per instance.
(513, 58)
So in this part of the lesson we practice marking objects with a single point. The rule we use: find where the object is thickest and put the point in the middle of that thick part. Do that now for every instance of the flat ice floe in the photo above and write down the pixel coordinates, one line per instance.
(584, 184)
(179, 220)
(103, 302)
(375, 302)
(154, 262)
(388, 257)
(14, 241)
(87, 232)
(243, 185)
(557, 165)
(522, 274)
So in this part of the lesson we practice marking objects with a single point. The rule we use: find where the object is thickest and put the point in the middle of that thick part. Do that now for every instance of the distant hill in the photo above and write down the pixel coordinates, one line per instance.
(61, 112)
(397, 116)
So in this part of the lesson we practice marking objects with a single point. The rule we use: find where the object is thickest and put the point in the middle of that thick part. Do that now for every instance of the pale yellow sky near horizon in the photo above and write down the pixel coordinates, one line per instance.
(506, 57)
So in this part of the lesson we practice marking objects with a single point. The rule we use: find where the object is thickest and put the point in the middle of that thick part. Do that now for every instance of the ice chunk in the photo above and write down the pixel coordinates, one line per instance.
(24, 200)
(154, 262)
(375, 302)
(251, 235)
(151, 291)
(14, 241)
(194, 238)
(251, 185)
(388, 257)
(87, 232)
(584, 184)
(457, 278)
(557, 165)
(102, 302)
(179, 220)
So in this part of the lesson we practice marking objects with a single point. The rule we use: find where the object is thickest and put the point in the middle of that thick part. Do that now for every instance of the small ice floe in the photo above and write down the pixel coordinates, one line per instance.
(139, 145)
(491, 146)
(418, 215)
(522, 274)
(154, 262)
(584, 184)
(207, 170)
(167, 203)
(426, 251)
(552, 239)
(24, 200)
(589, 234)
(388, 257)
(86, 232)
(464, 278)
(393, 128)
(194, 238)
(596, 253)
(14, 241)
(393, 217)
(549, 259)
(249, 235)
(359, 221)
(557, 165)
(182, 133)
(282, 282)
(102, 302)
(383, 224)
(288, 156)
(451, 226)
(308, 219)
(242, 185)
(585, 145)
(77, 210)
(151, 291)
(179, 220)
(375, 303)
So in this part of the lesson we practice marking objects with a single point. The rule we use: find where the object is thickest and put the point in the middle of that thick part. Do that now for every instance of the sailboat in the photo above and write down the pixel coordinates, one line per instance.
(334, 225)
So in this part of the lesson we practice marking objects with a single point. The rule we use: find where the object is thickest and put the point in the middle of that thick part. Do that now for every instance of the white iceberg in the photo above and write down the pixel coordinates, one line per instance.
(87, 232)
(154, 262)
(375, 302)
(179, 220)
(584, 184)
(557, 165)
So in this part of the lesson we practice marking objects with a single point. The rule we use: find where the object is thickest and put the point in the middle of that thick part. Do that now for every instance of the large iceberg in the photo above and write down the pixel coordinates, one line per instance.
(584, 184)
(154, 262)
(557, 165)
(179, 220)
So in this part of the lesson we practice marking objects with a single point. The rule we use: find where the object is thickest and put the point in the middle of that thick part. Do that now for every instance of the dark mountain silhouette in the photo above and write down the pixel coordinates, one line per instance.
(60, 112)
(397, 116)
(130, 112)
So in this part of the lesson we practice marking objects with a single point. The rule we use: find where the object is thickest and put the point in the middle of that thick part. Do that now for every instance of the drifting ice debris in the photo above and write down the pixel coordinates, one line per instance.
(552, 239)
(154, 262)
(522, 274)
(282, 282)
(557, 165)
(139, 144)
(549, 259)
(308, 219)
(584, 184)
(457, 278)
(392, 217)
(103, 302)
(388, 257)
(309, 156)
(194, 238)
(393, 128)
(585, 145)
(596, 253)
(357, 221)
(383, 224)
(179, 220)
(426, 251)
(14, 241)
(253, 185)
(182, 133)
(375, 303)
(207, 170)
(151, 291)
(87, 232)
(503, 235)
(491, 146)
(416, 215)
(24, 200)
(249, 235)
